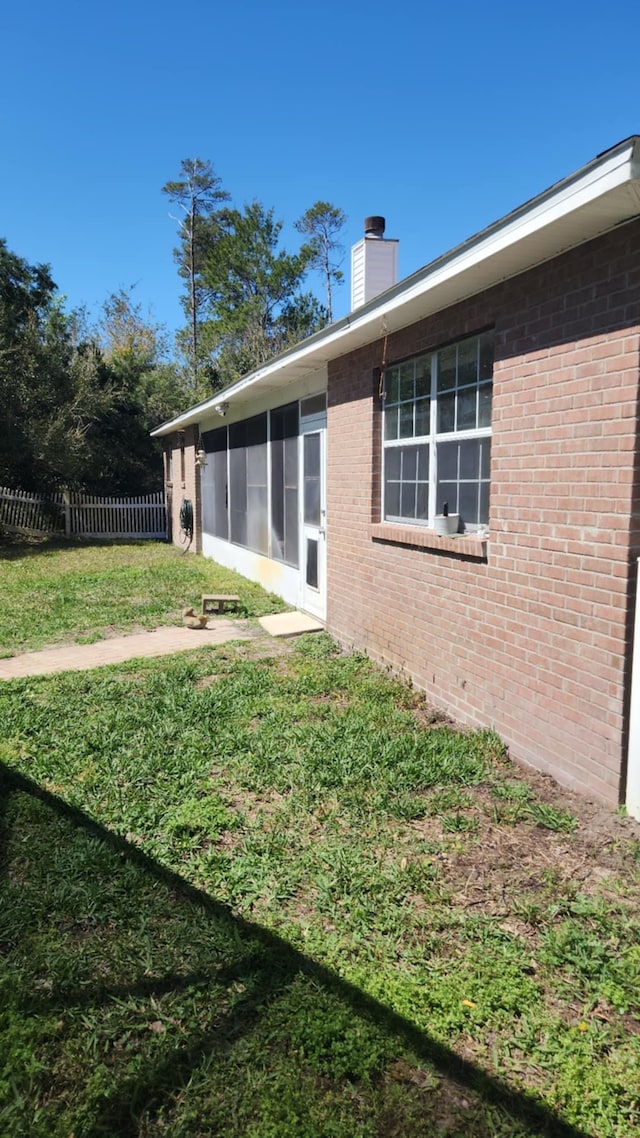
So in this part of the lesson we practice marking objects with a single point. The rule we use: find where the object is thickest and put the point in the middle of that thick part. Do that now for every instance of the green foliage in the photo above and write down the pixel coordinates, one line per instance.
(78, 403)
(322, 223)
(254, 305)
(244, 300)
(198, 193)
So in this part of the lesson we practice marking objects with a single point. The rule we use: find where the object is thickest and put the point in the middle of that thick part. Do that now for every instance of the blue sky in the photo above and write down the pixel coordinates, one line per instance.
(441, 117)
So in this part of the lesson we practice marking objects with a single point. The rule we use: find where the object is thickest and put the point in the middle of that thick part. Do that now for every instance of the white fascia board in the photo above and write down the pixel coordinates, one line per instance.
(616, 168)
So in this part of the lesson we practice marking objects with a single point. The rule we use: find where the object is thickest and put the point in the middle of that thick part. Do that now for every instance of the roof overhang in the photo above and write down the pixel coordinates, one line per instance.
(596, 199)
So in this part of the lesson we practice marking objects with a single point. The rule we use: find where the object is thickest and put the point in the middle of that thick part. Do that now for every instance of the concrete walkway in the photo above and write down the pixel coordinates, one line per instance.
(159, 642)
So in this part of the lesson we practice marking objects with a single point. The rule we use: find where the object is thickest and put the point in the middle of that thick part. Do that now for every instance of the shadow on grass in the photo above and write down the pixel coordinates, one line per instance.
(17, 547)
(137, 934)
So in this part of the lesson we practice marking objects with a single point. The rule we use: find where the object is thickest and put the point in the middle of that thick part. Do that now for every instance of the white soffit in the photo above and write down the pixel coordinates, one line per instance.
(604, 194)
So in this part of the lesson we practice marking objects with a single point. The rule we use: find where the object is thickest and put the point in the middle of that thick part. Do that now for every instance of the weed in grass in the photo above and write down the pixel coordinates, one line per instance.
(512, 791)
(450, 798)
(459, 823)
(552, 817)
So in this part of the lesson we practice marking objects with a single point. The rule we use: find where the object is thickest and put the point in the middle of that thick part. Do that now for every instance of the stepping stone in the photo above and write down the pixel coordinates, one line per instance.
(220, 602)
(290, 624)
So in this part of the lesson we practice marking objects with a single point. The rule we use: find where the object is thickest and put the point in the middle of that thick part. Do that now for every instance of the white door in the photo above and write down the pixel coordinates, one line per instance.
(313, 561)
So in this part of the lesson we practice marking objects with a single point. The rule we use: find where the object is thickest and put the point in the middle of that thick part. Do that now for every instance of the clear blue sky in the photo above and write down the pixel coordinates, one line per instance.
(440, 116)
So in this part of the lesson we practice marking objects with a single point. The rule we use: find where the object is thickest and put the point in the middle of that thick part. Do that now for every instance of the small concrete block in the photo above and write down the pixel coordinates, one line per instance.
(220, 602)
(290, 624)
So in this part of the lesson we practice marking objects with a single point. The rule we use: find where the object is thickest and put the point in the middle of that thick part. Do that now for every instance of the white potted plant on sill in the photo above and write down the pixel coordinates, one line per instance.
(446, 524)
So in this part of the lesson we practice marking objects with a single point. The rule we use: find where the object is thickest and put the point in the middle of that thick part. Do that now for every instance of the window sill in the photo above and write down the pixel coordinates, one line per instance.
(465, 545)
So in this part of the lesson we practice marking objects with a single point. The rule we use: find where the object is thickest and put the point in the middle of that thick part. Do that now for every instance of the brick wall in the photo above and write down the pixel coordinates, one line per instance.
(532, 639)
(184, 483)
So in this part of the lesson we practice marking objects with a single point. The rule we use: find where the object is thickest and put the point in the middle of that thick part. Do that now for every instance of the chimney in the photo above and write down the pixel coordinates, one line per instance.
(374, 263)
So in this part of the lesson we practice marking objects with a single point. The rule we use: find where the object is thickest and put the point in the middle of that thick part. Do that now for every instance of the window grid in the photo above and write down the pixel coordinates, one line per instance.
(440, 398)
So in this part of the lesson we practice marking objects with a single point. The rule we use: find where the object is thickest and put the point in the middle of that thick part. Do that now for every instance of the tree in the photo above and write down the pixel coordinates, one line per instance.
(35, 377)
(322, 223)
(78, 403)
(254, 303)
(198, 192)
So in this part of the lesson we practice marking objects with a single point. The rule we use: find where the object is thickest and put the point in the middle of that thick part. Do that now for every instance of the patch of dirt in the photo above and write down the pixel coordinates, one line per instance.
(208, 681)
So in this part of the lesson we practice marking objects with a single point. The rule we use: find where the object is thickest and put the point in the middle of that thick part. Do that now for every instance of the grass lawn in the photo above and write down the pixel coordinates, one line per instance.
(277, 897)
(55, 592)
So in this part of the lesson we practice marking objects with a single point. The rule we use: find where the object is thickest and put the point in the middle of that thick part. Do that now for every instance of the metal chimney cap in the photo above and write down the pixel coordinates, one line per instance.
(374, 226)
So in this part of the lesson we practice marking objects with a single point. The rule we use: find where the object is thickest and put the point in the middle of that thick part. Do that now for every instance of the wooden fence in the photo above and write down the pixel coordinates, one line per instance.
(79, 515)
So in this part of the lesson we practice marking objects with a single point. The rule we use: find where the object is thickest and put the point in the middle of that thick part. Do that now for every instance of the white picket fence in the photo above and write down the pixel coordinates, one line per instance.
(79, 515)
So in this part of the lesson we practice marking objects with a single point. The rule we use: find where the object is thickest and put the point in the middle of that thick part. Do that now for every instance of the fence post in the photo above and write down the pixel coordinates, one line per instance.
(67, 513)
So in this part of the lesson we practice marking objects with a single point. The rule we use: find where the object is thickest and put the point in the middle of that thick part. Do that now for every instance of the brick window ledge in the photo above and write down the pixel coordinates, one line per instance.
(465, 545)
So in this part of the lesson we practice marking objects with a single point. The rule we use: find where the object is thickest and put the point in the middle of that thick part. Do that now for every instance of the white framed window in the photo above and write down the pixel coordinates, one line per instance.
(437, 434)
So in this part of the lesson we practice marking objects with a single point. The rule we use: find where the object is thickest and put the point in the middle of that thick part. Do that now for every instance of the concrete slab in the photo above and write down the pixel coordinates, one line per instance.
(290, 624)
(117, 649)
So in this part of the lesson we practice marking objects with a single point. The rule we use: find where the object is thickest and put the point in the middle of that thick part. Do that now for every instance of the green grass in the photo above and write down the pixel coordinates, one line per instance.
(56, 592)
(250, 896)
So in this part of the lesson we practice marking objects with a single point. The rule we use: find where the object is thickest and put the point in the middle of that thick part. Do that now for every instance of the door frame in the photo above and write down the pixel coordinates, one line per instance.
(313, 599)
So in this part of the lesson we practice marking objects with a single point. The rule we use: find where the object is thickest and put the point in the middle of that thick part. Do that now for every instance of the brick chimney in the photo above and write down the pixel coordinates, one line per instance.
(374, 263)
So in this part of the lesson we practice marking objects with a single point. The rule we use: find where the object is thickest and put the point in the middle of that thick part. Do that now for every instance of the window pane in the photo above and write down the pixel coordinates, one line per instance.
(423, 462)
(423, 416)
(312, 456)
(257, 465)
(447, 495)
(422, 506)
(423, 376)
(314, 405)
(392, 462)
(392, 500)
(291, 526)
(257, 535)
(284, 422)
(406, 420)
(470, 459)
(406, 381)
(483, 514)
(257, 430)
(408, 500)
(468, 361)
(484, 405)
(393, 385)
(447, 368)
(239, 526)
(447, 461)
(446, 412)
(312, 501)
(391, 423)
(277, 499)
(291, 462)
(312, 479)
(485, 459)
(468, 501)
(409, 463)
(466, 410)
(312, 562)
(238, 485)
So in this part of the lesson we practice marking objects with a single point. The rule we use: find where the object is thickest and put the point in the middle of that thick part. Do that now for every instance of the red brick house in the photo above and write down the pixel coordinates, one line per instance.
(503, 381)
